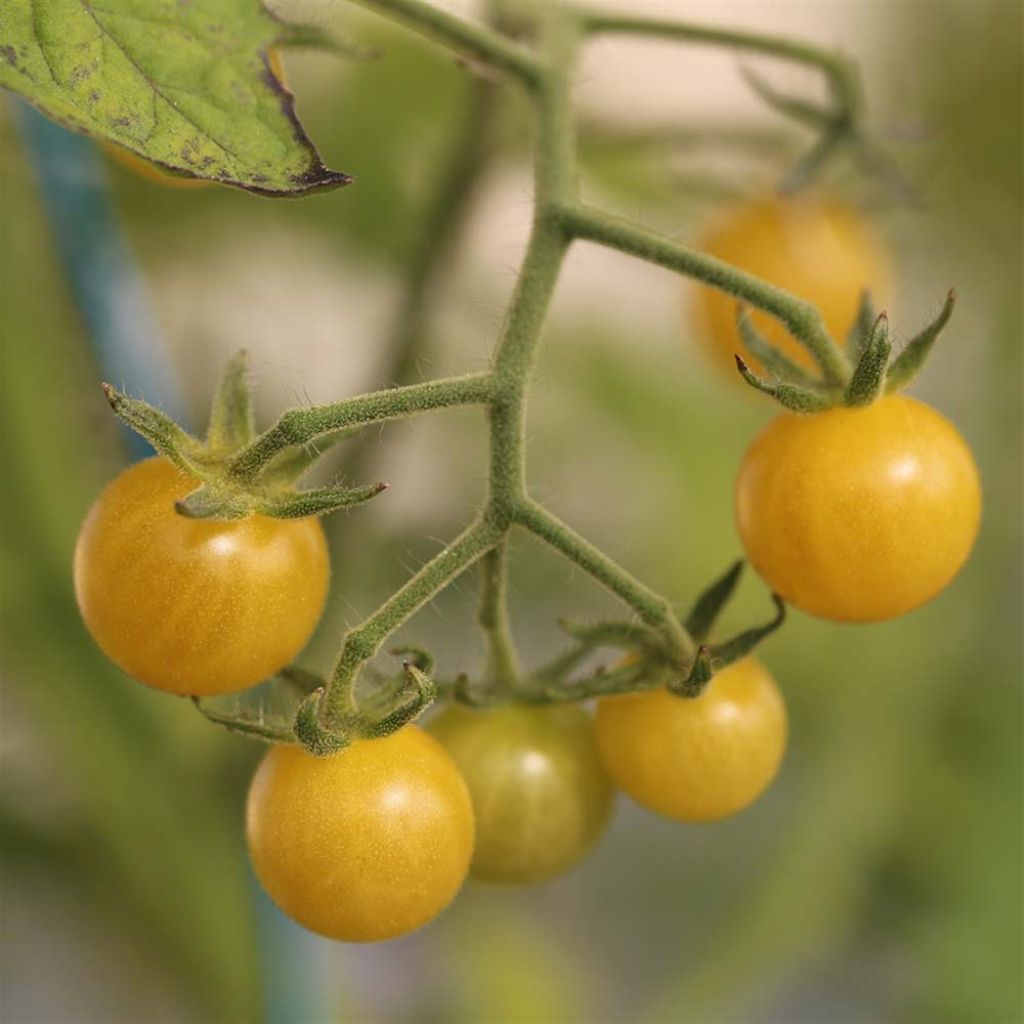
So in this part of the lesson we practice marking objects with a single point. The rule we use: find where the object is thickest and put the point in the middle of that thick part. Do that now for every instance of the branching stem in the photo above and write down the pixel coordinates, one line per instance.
(839, 72)
(300, 426)
(469, 39)
(502, 669)
(801, 318)
(546, 71)
(654, 609)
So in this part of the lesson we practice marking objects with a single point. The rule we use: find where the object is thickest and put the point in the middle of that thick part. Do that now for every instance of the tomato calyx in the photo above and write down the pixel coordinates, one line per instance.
(645, 660)
(223, 494)
(287, 709)
(868, 348)
(290, 707)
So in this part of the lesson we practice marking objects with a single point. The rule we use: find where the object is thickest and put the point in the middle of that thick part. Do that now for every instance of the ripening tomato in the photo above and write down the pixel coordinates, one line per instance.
(859, 515)
(817, 249)
(151, 172)
(367, 844)
(696, 759)
(540, 792)
(195, 606)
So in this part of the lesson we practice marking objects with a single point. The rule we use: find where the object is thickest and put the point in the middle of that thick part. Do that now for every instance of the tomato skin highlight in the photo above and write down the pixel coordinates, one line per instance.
(194, 606)
(859, 515)
(367, 844)
(696, 759)
(540, 792)
(818, 249)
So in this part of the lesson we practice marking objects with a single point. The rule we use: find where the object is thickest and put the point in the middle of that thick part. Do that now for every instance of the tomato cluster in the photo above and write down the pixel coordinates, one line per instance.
(853, 514)
(373, 841)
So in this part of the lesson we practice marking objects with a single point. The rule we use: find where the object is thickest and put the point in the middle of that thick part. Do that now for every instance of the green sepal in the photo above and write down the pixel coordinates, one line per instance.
(316, 501)
(266, 711)
(878, 162)
(211, 502)
(710, 603)
(603, 683)
(868, 378)
(311, 734)
(791, 396)
(773, 359)
(808, 168)
(222, 495)
(789, 106)
(742, 644)
(860, 330)
(403, 709)
(560, 666)
(419, 657)
(470, 692)
(169, 439)
(629, 636)
(292, 463)
(907, 364)
(232, 416)
(693, 684)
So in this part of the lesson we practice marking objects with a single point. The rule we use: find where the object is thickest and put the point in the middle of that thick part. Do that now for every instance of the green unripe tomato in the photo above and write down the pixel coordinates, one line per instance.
(540, 793)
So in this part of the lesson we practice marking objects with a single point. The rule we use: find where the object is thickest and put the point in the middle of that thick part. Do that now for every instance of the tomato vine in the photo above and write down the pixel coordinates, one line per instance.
(256, 473)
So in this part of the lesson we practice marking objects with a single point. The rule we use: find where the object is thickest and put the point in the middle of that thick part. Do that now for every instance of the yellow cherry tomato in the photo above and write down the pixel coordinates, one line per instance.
(367, 844)
(817, 249)
(151, 172)
(859, 515)
(696, 759)
(541, 795)
(195, 606)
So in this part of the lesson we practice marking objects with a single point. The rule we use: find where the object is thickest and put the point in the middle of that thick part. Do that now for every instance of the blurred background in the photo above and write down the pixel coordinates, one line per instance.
(878, 880)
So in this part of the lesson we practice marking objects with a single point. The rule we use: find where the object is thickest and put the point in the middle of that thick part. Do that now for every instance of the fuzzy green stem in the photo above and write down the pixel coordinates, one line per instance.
(363, 642)
(840, 73)
(300, 426)
(553, 182)
(800, 317)
(474, 41)
(558, 219)
(654, 609)
(502, 664)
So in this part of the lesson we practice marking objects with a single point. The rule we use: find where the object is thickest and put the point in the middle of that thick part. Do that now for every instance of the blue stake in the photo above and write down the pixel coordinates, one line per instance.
(129, 346)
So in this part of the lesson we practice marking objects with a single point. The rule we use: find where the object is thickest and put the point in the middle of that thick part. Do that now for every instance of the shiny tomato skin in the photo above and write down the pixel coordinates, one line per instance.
(194, 606)
(367, 844)
(859, 515)
(696, 759)
(541, 795)
(815, 248)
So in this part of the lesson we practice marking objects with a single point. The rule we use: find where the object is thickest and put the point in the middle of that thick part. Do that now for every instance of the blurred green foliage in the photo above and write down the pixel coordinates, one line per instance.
(879, 880)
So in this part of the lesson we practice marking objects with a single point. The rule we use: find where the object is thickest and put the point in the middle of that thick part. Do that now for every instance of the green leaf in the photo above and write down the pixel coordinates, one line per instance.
(266, 711)
(183, 85)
